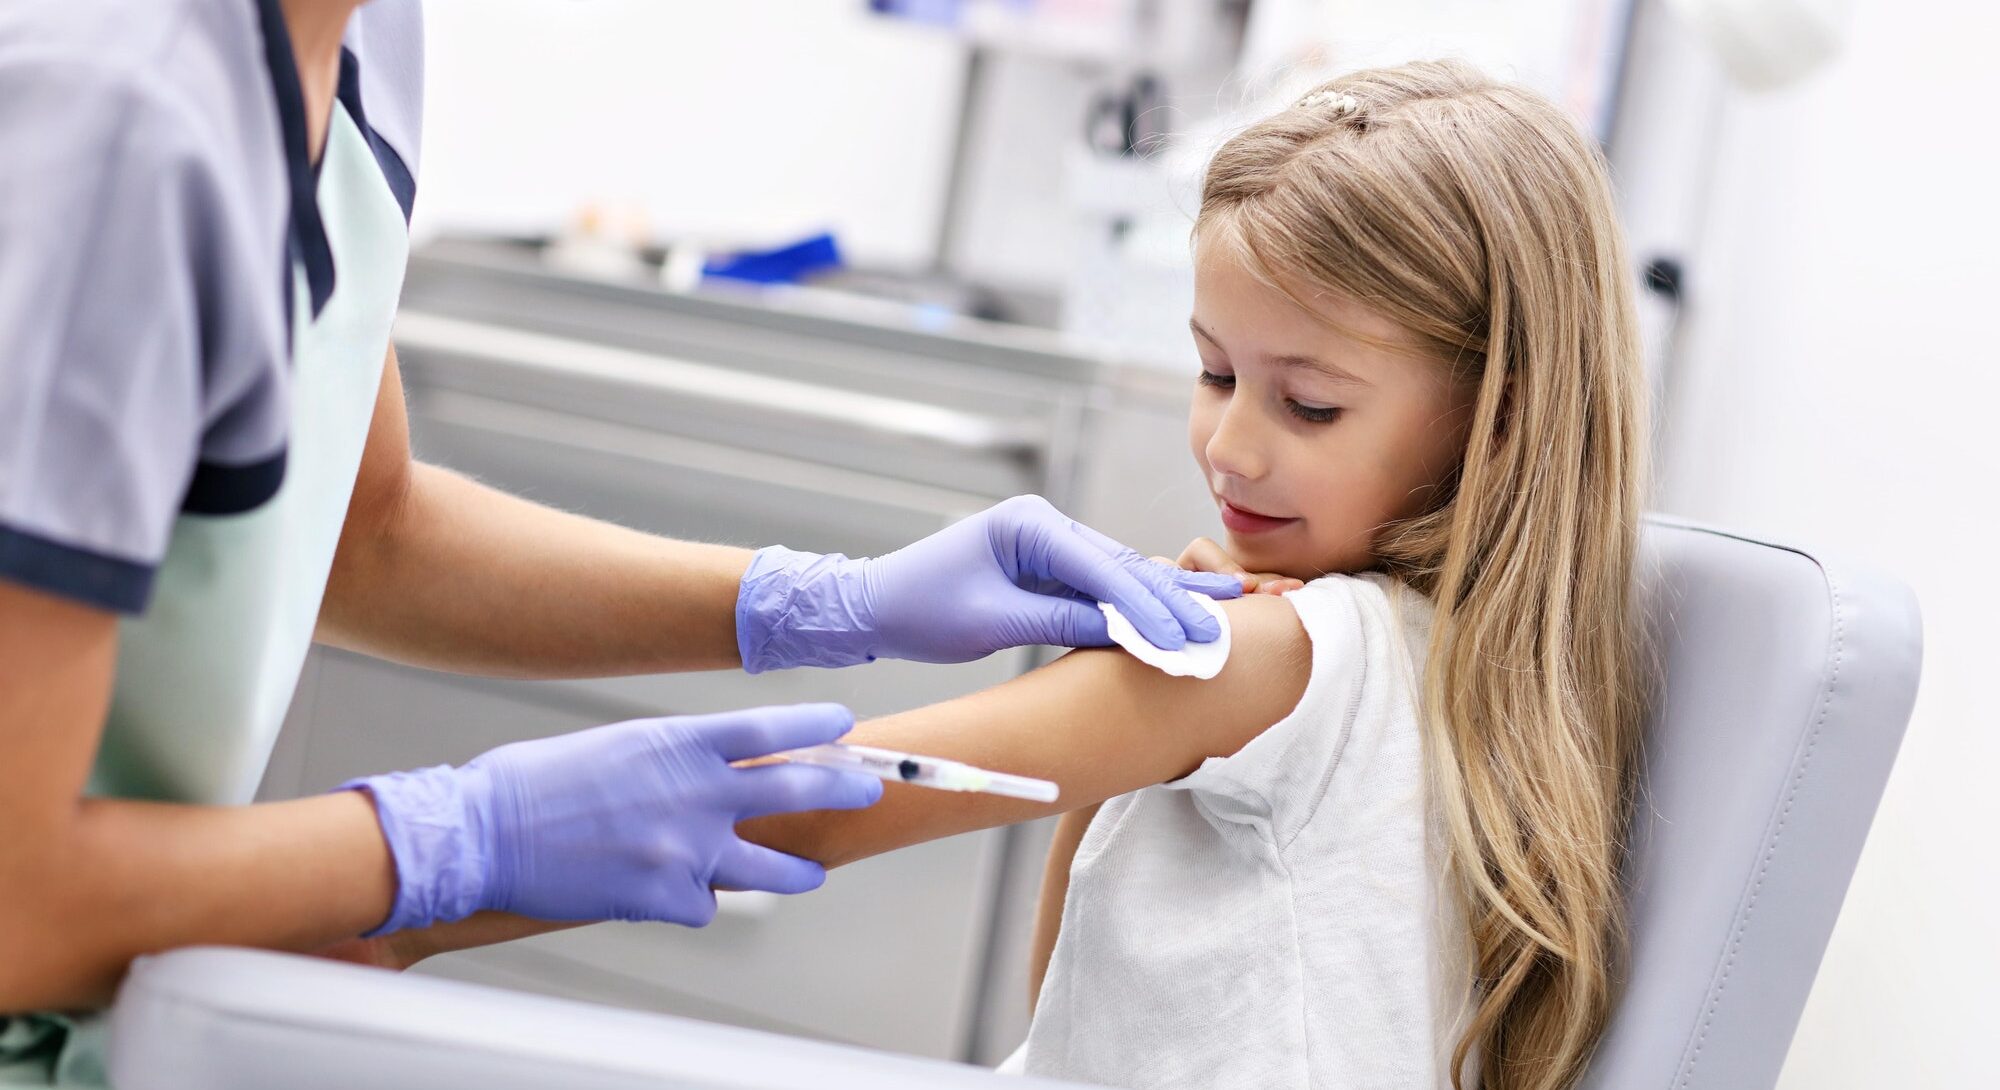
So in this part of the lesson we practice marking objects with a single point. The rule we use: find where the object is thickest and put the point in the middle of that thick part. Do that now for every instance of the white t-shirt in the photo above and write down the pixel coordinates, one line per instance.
(1280, 917)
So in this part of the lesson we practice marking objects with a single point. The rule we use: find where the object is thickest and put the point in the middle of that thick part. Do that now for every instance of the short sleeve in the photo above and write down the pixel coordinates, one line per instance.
(121, 350)
(1279, 777)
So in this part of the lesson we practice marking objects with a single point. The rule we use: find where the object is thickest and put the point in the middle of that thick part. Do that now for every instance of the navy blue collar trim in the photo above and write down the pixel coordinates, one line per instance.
(396, 172)
(308, 244)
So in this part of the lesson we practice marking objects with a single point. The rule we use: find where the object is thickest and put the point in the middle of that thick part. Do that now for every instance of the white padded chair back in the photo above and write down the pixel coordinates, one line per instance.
(1788, 681)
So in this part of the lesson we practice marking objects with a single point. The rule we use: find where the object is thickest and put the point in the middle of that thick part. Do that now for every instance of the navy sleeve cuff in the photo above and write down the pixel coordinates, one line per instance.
(107, 582)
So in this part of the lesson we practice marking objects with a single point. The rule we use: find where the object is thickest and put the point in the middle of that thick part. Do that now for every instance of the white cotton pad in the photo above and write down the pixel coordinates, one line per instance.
(1202, 660)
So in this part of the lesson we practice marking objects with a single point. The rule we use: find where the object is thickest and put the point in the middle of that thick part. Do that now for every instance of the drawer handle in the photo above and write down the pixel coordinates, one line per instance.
(895, 418)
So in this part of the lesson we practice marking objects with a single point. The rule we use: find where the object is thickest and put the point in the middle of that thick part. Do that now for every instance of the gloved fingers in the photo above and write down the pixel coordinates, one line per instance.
(1081, 560)
(1218, 585)
(1063, 621)
(1213, 584)
(760, 732)
(1204, 555)
(791, 788)
(1165, 581)
(750, 866)
(1173, 588)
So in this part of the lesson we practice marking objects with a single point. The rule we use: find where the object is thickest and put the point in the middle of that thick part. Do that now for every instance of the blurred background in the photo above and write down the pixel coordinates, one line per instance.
(834, 273)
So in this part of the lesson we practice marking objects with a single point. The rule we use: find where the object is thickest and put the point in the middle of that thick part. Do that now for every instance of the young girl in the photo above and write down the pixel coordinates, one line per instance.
(1381, 848)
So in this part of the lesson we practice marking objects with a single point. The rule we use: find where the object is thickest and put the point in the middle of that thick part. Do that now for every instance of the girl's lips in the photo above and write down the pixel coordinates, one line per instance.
(1249, 522)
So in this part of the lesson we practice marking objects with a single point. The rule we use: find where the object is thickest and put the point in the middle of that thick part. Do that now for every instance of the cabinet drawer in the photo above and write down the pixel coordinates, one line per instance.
(669, 484)
(904, 426)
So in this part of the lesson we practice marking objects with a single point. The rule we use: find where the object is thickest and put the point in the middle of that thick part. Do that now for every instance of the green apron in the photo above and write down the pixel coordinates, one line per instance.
(205, 675)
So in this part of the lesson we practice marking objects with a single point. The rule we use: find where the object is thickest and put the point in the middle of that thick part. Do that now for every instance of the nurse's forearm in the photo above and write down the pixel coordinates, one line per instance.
(119, 879)
(466, 578)
(88, 884)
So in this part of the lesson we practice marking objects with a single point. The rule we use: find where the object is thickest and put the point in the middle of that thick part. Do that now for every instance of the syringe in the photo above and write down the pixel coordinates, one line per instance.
(934, 772)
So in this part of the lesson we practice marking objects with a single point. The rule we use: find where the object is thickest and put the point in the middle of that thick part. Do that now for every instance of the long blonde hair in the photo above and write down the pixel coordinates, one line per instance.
(1475, 215)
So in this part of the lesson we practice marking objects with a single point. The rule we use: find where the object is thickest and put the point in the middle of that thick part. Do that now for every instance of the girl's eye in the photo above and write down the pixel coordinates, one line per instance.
(1220, 382)
(1312, 414)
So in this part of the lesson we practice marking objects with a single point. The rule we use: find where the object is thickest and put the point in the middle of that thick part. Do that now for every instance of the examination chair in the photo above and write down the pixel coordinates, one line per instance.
(1788, 681)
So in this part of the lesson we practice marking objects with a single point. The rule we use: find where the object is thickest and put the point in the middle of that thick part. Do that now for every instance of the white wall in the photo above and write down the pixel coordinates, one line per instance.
(1015, 224)
(1838, 386)
(751, 119)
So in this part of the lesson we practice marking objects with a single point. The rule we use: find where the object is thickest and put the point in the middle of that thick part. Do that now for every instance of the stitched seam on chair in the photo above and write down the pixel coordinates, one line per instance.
(1771, 848)
(1666, 522)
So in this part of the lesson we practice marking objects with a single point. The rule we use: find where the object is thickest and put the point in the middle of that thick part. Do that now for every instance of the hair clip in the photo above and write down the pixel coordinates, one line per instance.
(1340, 102)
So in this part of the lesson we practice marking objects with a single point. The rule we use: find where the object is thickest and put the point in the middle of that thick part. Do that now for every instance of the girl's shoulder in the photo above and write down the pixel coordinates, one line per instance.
(1379, 604)
(1351, 649)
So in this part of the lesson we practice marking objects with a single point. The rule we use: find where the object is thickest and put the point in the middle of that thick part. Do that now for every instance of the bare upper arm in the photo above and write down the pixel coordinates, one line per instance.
(56, 662)
(1098, 722)
(385, 462)
(380, 488)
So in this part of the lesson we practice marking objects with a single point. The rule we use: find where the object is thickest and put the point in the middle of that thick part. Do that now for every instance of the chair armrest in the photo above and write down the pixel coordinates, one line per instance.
(211, 1018)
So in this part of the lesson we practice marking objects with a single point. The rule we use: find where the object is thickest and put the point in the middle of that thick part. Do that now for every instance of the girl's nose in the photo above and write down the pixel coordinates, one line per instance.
(1234, 448)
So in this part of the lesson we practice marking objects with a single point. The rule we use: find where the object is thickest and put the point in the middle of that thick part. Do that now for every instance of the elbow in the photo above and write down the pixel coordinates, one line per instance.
(26, 979)
(51, 959)
(372, 543)
(37, 976)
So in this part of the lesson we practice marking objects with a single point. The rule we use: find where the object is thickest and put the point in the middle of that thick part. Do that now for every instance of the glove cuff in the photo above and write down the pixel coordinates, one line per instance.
(803, 609)
(436, 836)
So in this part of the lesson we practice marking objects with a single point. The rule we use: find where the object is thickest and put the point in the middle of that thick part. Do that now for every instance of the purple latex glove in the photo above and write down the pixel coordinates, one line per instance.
(1017, 574)
(633, 821)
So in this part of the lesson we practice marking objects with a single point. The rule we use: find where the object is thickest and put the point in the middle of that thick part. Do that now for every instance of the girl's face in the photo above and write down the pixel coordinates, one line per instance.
(1312, 439)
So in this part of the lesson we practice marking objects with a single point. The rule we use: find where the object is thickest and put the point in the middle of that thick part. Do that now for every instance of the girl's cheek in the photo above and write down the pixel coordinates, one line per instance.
(1201, 426)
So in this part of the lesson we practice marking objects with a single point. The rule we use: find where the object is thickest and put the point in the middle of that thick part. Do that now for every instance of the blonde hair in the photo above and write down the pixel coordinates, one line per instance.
(1475, 215)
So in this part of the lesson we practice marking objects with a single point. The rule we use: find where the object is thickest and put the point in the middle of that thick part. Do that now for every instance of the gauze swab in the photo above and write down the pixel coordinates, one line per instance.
(1199, 660)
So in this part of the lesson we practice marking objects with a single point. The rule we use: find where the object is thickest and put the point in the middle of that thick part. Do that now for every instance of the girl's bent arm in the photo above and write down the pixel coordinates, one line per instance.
(1097, 722)
(1055, 890)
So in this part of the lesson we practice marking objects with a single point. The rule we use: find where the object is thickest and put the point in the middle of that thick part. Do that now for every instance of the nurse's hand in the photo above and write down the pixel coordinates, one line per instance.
(1017, 574)
(633, 821)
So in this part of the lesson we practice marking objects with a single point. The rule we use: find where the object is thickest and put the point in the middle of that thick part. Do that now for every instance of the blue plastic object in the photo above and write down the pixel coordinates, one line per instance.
(938, 12)
(789, 264)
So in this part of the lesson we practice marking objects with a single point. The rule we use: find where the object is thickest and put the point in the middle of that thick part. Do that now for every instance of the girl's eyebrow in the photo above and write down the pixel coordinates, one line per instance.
(1323, 367)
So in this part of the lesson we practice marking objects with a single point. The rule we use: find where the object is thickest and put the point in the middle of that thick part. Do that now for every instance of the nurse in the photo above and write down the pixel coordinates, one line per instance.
(204, 466)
